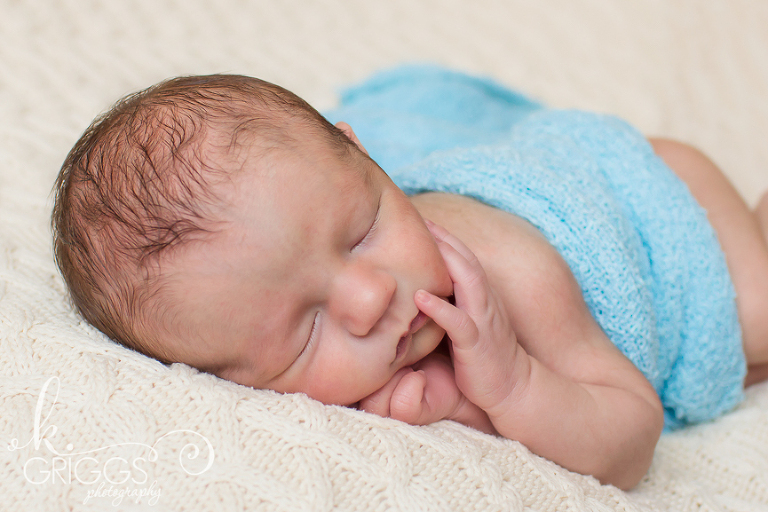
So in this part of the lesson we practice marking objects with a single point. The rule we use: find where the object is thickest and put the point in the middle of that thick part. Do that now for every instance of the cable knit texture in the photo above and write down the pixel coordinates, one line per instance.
(682, 68)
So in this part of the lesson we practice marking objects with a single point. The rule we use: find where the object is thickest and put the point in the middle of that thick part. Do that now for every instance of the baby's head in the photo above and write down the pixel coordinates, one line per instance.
(222, 222)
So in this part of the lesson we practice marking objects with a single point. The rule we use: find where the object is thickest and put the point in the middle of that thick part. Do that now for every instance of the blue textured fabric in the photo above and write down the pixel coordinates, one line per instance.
(648, 262)
(405, 114)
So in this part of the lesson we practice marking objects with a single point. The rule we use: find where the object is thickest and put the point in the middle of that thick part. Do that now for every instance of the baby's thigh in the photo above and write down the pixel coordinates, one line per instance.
(740, 236)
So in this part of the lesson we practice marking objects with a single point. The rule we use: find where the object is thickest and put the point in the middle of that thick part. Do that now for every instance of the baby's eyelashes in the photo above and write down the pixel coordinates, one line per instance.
(371, 230)
(312, 336)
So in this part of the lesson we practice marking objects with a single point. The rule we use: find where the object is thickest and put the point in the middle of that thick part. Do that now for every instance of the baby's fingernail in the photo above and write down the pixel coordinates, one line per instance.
(437, 231)
(423, 296)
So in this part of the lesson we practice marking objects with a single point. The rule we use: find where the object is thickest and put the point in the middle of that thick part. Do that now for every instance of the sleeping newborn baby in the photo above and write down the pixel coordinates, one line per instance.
(222, 222)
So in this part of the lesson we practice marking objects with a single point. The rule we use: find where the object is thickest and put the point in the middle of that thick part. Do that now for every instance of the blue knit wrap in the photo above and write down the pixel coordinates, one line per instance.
(647, 260)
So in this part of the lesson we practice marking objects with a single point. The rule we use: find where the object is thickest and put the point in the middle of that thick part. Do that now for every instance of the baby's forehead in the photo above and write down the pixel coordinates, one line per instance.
(312, 182)
(300, 153)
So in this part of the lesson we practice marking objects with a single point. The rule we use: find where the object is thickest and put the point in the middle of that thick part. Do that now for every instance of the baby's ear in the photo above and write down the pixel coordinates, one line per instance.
(344, 127)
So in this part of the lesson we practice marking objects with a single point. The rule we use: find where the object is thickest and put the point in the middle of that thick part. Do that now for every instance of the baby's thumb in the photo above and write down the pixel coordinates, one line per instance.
(375, 403)
(406, 403)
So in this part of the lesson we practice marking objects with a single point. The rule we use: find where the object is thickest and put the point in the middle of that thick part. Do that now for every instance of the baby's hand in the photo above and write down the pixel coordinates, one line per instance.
(420, 394)
(488, 362)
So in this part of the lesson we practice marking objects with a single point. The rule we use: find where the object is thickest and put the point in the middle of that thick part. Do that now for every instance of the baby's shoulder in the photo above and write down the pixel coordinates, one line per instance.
(527, 273)
(494, 235)
(513, 252)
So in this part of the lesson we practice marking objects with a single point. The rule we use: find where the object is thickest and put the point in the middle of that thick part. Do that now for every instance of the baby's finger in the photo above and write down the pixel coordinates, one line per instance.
(407, 399)
(378, 402)
(442, 234)
(469, 279)
(457, 323)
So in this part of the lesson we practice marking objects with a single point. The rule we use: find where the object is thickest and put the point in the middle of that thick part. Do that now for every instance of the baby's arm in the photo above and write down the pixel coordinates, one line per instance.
(557, 385)
(425, 393)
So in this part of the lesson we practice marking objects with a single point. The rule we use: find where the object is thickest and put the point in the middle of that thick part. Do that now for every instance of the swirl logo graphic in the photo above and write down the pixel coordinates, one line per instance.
(116, 476)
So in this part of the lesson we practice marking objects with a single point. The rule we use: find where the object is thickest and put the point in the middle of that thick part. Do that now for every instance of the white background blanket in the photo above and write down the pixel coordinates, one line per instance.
(120, 434)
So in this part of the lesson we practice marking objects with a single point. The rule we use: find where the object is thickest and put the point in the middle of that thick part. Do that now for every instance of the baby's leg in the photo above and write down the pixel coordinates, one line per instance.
(759, 373)
(742, 238)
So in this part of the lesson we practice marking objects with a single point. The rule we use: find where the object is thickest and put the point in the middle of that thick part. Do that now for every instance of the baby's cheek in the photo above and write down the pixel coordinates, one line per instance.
(432, 261)
(443, 286)
(343, 380)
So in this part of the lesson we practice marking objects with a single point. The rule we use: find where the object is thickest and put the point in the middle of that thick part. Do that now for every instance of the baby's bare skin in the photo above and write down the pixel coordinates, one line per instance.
(566, 379)
(556, 332)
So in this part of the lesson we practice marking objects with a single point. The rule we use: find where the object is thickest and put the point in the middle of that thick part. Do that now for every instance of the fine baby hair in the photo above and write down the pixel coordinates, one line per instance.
(141, 182)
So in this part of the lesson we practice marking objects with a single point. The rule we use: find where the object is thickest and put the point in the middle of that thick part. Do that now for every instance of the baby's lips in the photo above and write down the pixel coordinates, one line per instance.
(418, 322)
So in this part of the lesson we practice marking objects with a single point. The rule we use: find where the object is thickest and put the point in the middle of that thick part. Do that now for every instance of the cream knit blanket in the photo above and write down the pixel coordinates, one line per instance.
(87, 425)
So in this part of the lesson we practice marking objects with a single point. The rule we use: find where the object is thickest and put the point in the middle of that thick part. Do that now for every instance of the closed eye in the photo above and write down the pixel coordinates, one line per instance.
(312, 335)
(372, 229)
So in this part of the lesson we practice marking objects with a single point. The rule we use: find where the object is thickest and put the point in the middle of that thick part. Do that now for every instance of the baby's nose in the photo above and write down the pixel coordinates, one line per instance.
(361, 297)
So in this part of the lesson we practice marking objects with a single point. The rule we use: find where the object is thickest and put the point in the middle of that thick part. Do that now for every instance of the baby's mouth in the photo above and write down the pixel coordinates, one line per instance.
(402, 346)
(416, 324)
